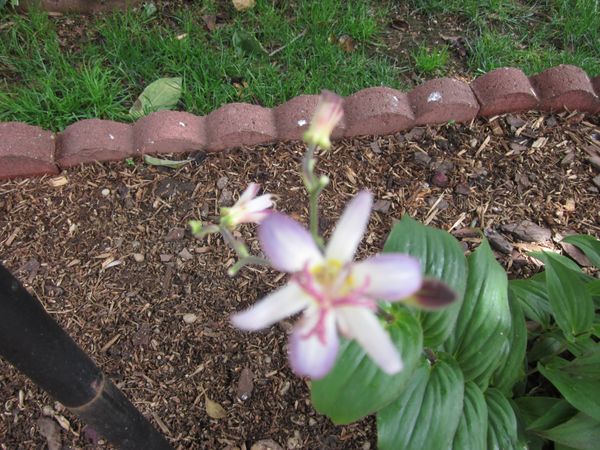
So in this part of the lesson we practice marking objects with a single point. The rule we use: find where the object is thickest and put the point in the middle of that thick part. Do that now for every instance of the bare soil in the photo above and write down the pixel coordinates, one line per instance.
(79, 247)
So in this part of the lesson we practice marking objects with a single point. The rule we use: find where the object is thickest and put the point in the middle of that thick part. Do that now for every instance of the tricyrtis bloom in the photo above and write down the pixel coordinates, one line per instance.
(248, 209)
(335, 293)
(328, 113)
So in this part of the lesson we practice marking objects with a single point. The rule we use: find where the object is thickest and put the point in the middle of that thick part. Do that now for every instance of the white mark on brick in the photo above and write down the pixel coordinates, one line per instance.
(435, 96)
(395, 98)
(302, 122)
(112, 138)
(182, 124)
(533, 92)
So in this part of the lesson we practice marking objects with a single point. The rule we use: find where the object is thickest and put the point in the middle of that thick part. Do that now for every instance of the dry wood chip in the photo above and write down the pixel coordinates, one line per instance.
(245, 384)
(58, 181)
(51, 432)
(266, 444)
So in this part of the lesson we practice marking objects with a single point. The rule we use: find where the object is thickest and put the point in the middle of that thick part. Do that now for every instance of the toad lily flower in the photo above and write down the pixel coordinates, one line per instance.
(335, 293)
(327, 115)
(248, 209)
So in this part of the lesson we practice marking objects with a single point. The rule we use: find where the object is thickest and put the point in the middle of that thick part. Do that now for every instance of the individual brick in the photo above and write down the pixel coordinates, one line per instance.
(169, 132)
(94, 140)
(441, 100)
(77, 6)
(565, 87)
(377, 110)
(292, 118)
(26, 151)
(239, 124)
(504, 90)
(596, 85)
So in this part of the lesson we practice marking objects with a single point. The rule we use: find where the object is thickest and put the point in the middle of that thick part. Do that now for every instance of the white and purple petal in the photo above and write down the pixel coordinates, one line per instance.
(276, 306)
(287, 244)
(350, 228)
(390, 276)
(314, 344)
(249, 193)
(363, 325)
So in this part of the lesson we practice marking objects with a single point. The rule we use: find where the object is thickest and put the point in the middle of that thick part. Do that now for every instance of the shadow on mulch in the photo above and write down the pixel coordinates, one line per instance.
(105, 251)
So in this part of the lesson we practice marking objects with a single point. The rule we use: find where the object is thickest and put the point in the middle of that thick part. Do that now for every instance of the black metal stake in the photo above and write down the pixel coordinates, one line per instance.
(36, 345)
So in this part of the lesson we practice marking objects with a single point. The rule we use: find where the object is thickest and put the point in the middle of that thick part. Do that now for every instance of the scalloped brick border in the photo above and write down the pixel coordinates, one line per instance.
(27, 150)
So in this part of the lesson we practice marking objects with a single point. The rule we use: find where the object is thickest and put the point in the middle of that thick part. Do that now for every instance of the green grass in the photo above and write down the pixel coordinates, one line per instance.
(52, 89)
(42, 84)
(430, 61)
(532, 35)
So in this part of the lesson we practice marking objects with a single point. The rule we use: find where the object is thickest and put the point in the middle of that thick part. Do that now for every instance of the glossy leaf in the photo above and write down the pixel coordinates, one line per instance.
(427, 414)
(580, 432)
(479, 341)
(356, 387)
(553, 416)
(163, 93)
(572, 305)
(472, 428)
(532, 408)
(534, 299)
(441, 257)
(588, 245)
(577, 380)
(502, 423)
(513, 367)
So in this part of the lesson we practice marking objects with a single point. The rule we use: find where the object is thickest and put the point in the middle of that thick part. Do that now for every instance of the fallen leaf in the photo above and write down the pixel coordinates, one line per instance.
(346, 43)
(161, 94)
(175, 234)
(245, 384)
(166, 162)
(51, 432)
(213, 409)
(210, 22)
(246, 43)
(266, 444)
(528, 231)
(243, 5)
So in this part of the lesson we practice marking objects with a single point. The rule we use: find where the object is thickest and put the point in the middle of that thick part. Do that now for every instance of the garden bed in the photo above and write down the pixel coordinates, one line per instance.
(104, 247)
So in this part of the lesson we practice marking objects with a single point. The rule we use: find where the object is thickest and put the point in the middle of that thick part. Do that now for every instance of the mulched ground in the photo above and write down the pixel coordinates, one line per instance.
(106, 255)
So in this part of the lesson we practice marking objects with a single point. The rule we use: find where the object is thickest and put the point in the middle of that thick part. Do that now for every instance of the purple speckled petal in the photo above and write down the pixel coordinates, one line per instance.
(278, 305)
(309, 355)
(350, 228)
(287, 244)
(390, 276)
(363, 325)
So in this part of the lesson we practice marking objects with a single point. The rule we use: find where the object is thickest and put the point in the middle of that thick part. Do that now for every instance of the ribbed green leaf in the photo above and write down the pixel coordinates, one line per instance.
(534, 299)
(572, 305)
(356, 387)
(580, 432)
(480, 339)
(502, 423)
(441, 257)
(532, 408)
(588, 245)
(472, 428)
(427, 413)
(513, 367)
(577, 380)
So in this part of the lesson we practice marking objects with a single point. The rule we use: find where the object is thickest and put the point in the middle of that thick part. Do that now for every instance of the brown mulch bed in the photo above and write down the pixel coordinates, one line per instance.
(103, 254)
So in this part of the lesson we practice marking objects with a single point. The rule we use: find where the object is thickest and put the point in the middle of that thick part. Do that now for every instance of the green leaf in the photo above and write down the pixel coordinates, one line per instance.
(571, 303)
(577, 380)
(472, 428)
(441, 257)
(580, 432)
(513, 368)
(165, 162)
(534, 299)
(356, 387)
(532, 408)
(593, 288)
(246, 43)
(588, 245)
(502, 423)
(163, 93)
(553, 416)
(546, 346)
(427, 413)
(480, 339)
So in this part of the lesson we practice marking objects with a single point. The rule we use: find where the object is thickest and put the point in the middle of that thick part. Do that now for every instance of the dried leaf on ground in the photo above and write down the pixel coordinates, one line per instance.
(213, 409)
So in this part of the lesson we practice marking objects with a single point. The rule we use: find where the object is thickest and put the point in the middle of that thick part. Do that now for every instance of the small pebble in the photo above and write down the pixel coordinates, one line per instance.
(138, 257)
(105, 192)
(190, 318)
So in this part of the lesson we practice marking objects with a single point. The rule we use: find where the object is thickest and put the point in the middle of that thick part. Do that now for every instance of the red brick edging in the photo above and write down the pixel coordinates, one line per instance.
(27, 150)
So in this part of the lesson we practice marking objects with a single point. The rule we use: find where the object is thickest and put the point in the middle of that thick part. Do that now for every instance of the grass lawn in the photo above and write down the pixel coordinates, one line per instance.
(56, 70)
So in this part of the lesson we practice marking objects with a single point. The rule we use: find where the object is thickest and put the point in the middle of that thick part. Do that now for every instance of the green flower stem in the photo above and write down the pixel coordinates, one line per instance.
(314, 186)
(205, 231)
(239, 247)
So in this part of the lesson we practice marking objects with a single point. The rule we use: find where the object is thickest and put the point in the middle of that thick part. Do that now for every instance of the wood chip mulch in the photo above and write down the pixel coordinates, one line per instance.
(105, 249)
